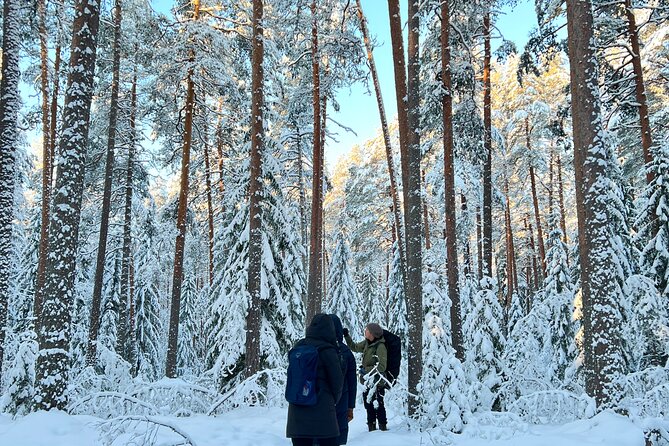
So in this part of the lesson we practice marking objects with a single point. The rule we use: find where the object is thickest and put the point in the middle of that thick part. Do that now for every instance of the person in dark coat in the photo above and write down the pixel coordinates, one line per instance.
(307, 424)
(346, 403)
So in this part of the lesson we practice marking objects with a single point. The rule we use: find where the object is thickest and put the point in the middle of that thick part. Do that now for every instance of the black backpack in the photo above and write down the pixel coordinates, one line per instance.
(394, 347)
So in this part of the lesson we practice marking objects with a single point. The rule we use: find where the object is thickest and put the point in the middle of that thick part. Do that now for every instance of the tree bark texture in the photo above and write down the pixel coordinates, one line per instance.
(487, 145)
(535, 203)
(9, 108)
(639, 88)
(601, 321)
(394, 190)
(399, 67)
(253, 317)
(314, 288)
(449, 186)
(210, 210)
(94, 319)
(52, 365)
(46, 206)
(412, 216)
(125, 344)
(177, 276)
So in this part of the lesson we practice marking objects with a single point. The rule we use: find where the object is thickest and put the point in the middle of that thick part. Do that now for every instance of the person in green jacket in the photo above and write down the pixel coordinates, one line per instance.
(372, 373)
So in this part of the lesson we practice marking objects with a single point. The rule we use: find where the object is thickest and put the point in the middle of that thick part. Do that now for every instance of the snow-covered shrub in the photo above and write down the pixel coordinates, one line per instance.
(265, 388)
(553, 407)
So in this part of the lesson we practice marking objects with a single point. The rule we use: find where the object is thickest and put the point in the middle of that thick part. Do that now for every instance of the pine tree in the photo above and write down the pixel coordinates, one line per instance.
(397, 320)
(187, 354)
(343, 300)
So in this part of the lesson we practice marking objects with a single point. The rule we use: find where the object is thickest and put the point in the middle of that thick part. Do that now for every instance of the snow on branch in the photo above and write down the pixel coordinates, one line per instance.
(265, 388)
(142, 430)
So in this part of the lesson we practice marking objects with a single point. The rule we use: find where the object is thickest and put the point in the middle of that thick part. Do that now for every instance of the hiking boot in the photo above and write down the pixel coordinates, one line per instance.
(371, 426)
(383, 426)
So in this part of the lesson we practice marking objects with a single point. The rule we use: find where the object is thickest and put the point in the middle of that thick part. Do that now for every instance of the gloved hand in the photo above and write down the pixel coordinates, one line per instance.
(350, 415)
(345, 331)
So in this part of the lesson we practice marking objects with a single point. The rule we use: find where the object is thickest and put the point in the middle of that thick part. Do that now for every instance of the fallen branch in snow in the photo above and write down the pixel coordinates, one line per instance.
(264, 388)
(128, 430)
(109, 404)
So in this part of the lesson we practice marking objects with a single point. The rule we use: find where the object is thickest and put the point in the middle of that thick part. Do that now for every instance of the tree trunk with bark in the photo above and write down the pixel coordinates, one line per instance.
(314, 288)
(52, 366)
(535, 203)
(394, 190)
(253, 317)
(639, 88)
(125, 339)
(94, 319)
(177, 276)
(449, 185)
(599, 277)
(210, 209)
(487, 144)
(467, 268)
(9, 108)
(412, 216)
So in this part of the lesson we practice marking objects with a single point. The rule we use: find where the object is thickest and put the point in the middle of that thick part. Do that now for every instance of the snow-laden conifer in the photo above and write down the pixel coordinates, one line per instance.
(342, 297)
(444, 386)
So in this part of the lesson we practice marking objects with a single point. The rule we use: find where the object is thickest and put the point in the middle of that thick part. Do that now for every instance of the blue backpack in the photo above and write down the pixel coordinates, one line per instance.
(302, 375)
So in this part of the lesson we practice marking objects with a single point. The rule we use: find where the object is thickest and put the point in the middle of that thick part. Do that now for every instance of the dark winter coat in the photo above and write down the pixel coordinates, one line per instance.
(374, 354)
(319, 421)
(348, 394)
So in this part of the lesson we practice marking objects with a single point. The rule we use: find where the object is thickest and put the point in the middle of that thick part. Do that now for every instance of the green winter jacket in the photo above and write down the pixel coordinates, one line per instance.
(373, 354)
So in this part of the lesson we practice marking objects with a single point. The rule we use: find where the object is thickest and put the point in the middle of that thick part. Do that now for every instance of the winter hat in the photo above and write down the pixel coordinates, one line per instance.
(375, 330)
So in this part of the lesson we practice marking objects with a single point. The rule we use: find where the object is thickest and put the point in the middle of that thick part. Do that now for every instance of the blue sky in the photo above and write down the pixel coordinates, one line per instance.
(358, 108)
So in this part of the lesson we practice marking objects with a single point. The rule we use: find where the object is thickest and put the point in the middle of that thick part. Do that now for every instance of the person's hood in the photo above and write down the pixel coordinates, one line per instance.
(339, 330)
(322, 328)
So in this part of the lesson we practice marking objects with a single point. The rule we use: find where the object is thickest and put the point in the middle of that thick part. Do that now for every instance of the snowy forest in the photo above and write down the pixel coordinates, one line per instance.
(169, 224)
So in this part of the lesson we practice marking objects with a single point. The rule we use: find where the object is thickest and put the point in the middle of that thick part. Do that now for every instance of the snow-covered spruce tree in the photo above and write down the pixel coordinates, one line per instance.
(20, 377)
(484, 356)
(653, 221)
(443, 384)
(372, 299)
(186, 353)
(515, 312)
(342, 299)
(558, 298)
(649, 328)
(110, 307)
(149, 328)
(282, 286)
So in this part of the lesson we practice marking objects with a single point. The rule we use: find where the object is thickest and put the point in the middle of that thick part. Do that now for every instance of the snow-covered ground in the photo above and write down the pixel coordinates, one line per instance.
(266, 426)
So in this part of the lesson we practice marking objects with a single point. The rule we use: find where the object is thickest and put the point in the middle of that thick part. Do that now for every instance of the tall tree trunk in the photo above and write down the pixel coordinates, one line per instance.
(303, 200)
(52, 364)
(412, 216)
(126, 339)
(563, 220)
(210, 208)
(449, 185)
(9, 108)
(125, 344)
(54, 107)
(131, 313)
(487, 144)
(400, 89)
(479, 243)
(314, 288)
(601, 323)
(468, 256)
(394, 192)
(253, 317)
(426, 219)
(94, 319)
(535, 202)
(535, 265)
(639, 88)
(47, 155)
(177, 276)
(219, 149)
(512, 276)
(551, 181)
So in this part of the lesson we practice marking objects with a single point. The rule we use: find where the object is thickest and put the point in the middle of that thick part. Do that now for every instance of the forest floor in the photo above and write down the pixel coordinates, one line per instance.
(266, 426)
